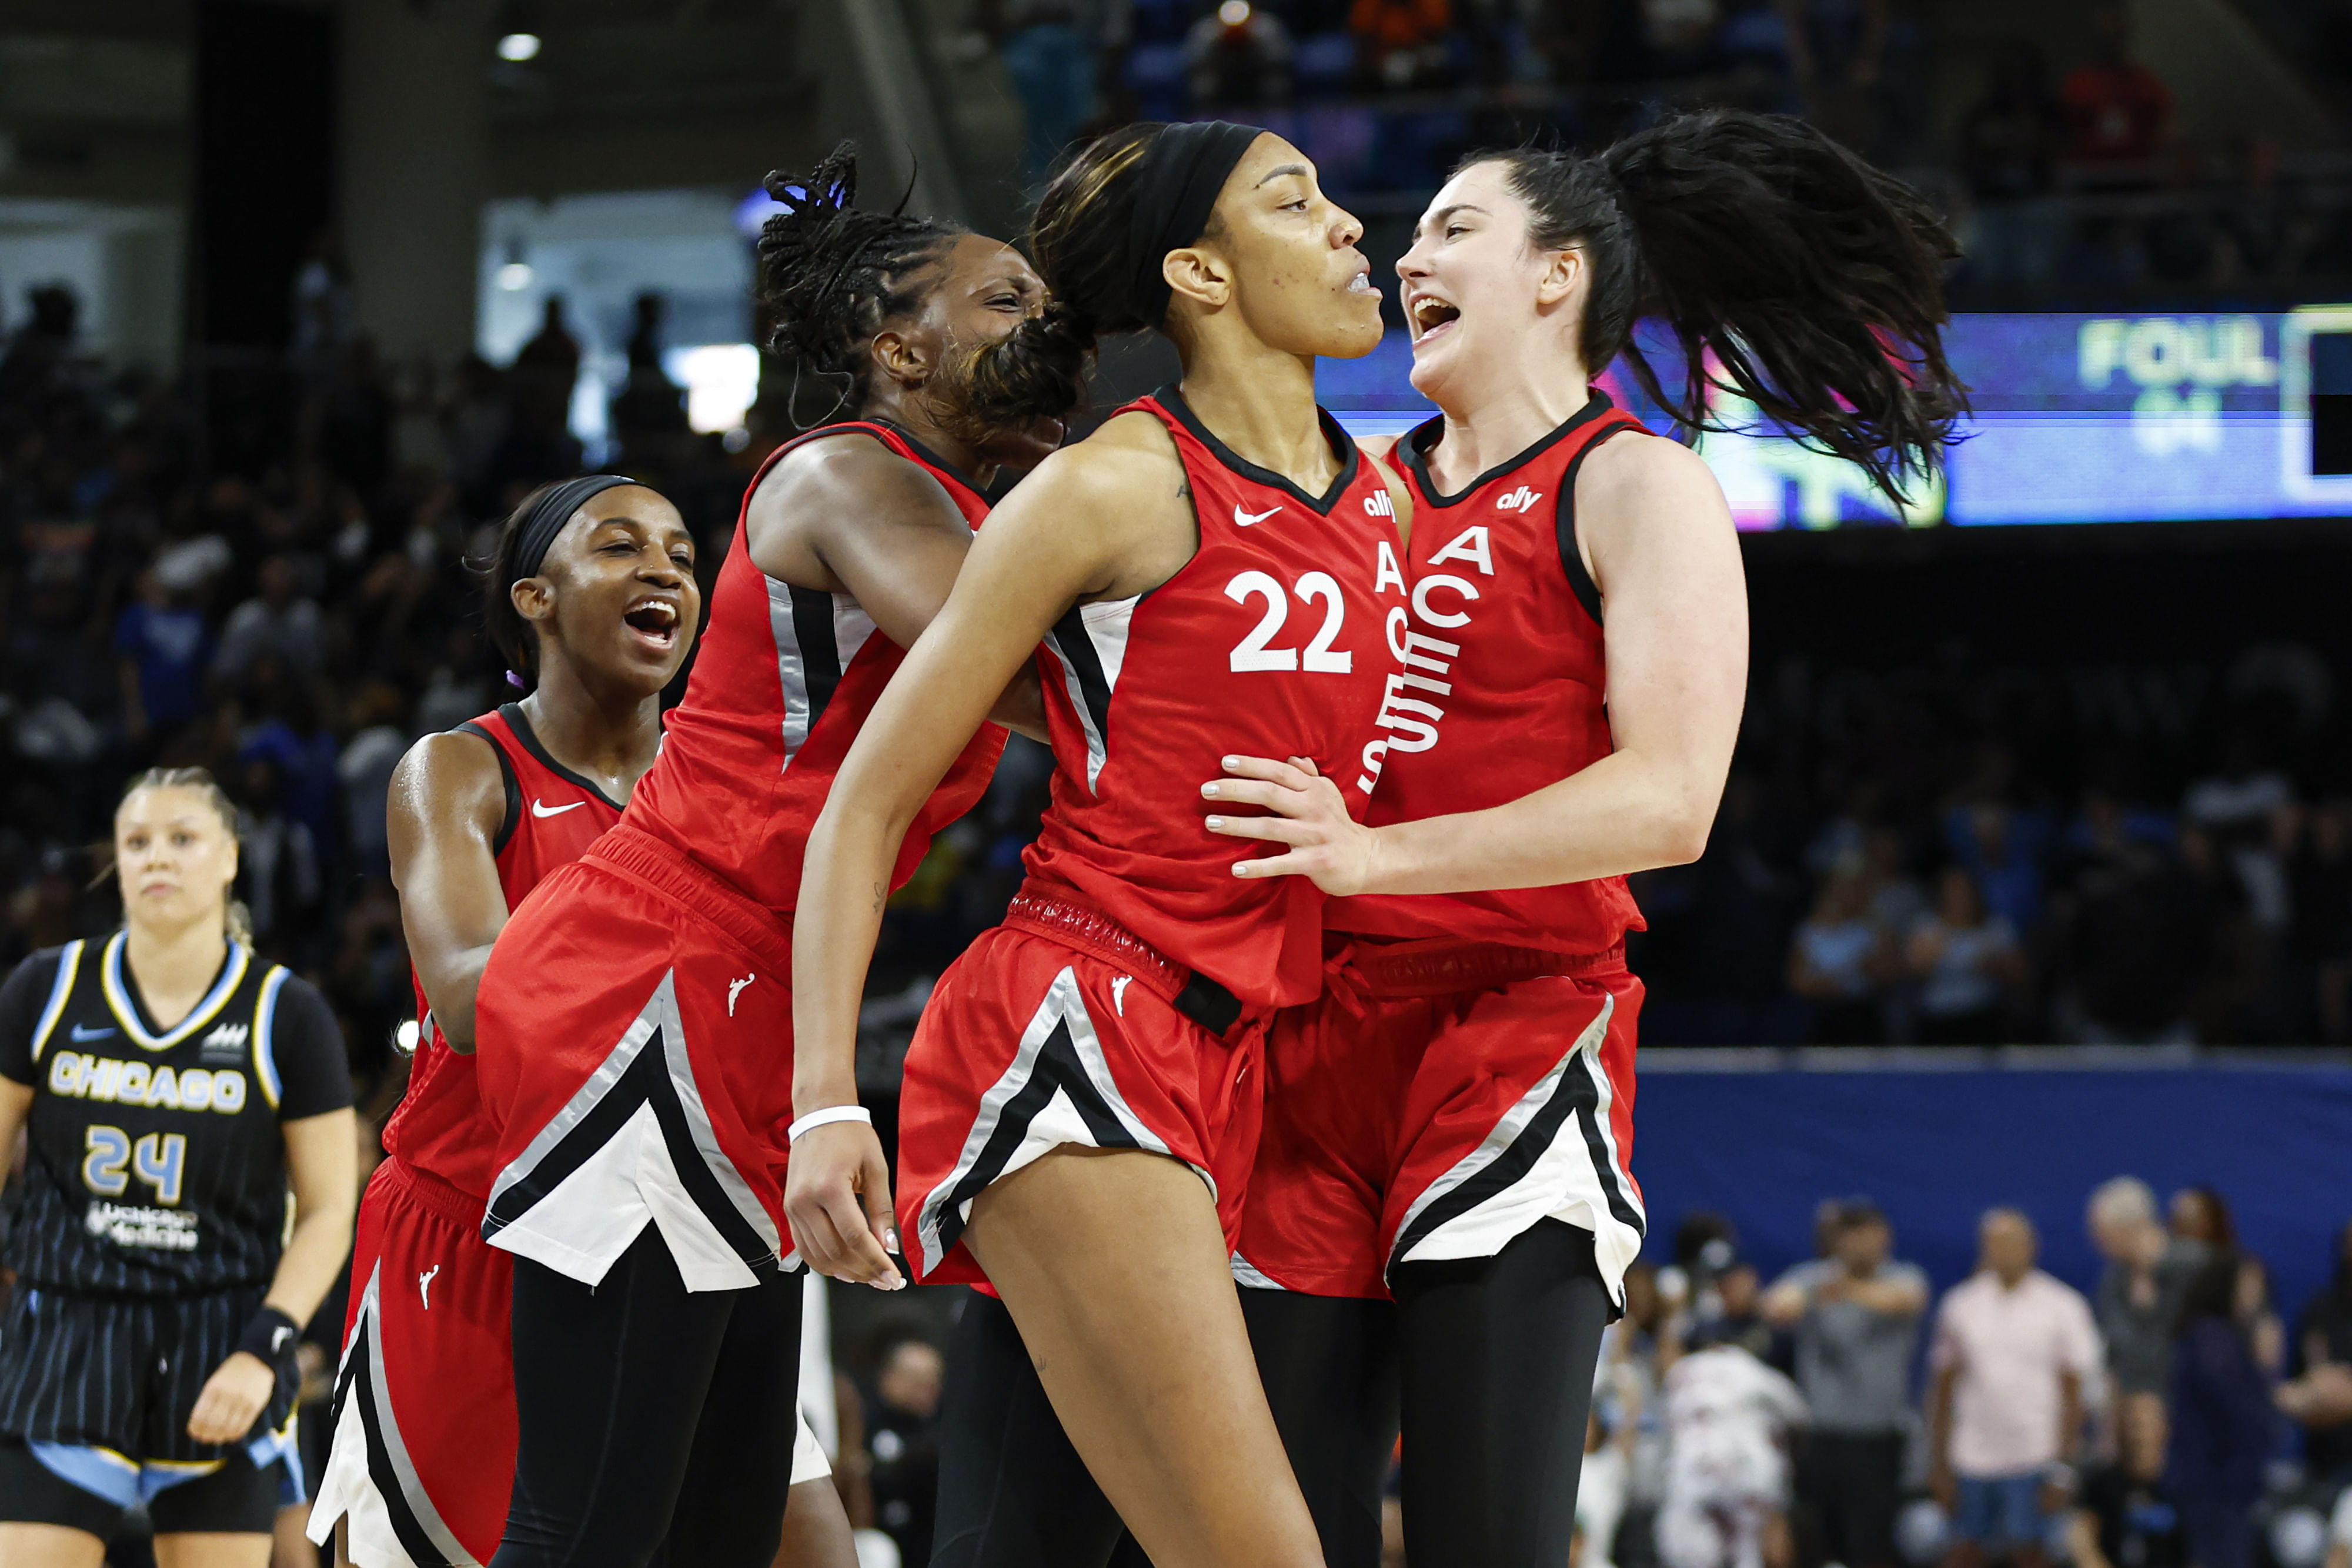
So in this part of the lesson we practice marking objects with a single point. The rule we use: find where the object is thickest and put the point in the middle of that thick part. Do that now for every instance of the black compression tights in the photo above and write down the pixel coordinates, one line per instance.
(1499, 1359)
(1014, 1494)
(639, 1402)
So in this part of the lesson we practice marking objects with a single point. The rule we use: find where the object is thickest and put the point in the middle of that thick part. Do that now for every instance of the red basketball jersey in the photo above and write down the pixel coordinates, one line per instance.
(784, 679)
(1267, 643)
(1505, 687)
(552, 815)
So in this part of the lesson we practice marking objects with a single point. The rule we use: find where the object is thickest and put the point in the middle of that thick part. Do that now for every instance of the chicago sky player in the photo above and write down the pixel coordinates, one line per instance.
(1082, 1090)
(1455, 1122)
(172, 1086)
(591, 590)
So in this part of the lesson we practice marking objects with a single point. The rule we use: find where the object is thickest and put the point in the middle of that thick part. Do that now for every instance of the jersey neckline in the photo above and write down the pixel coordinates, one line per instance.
(930, 458)
(1416, 451)
(519, 723)
(1342, 445)
(121, 988)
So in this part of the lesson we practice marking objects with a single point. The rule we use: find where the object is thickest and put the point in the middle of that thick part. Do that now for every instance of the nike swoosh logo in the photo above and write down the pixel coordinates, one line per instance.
(541, 809)
(1248, 520)
(80, 1033)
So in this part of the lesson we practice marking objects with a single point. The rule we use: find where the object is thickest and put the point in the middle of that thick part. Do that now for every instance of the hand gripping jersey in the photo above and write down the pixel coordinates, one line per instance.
(1504, 689)
(155, 1165)
(785, 677)
(1269, 643)
(552, 815)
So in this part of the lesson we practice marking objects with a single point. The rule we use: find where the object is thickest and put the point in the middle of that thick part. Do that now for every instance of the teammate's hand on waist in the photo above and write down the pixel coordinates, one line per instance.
(233, 1399)
(837, 1201)
(1326, 844)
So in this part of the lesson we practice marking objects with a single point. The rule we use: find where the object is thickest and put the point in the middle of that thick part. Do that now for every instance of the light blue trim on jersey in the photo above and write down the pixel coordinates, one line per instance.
(68, 968)
(122, 1481)
(126, 1012)
(265, 1017)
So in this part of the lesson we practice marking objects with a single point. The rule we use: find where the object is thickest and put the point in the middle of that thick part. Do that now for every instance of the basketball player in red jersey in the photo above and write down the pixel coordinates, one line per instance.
(1082, 1090)
(592, 590)
(1455, 1122)
(634, 1021)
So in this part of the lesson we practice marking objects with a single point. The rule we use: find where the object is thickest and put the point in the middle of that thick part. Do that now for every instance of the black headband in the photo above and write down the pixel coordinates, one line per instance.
(549, 514)
(1175, 190)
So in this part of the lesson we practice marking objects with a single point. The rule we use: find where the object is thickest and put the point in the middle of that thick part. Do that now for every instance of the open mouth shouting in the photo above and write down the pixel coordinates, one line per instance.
(1429, 316)
(654, 621)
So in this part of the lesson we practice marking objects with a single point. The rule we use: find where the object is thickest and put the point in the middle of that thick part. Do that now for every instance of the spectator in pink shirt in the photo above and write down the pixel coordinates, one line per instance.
(2012, 1351)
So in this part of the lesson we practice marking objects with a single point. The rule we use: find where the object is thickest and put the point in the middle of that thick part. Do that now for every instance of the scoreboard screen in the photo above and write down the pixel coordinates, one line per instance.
(2074, 419)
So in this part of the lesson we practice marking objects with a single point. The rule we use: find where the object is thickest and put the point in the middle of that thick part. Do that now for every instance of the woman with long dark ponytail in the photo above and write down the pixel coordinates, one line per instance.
(1454, 1124)
(1080, 1099)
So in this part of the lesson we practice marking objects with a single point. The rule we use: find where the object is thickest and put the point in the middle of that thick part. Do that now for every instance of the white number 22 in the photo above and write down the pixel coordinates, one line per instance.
(1252, 652)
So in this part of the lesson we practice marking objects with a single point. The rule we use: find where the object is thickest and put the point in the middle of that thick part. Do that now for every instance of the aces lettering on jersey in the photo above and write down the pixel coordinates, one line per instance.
(1440, 600)
(1325, 609)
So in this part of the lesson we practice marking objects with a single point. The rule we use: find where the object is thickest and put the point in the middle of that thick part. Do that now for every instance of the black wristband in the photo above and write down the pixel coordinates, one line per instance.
(270, 1336)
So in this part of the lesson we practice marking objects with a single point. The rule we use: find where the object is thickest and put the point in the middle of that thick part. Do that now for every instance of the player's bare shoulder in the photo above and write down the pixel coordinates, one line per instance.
(453, 779)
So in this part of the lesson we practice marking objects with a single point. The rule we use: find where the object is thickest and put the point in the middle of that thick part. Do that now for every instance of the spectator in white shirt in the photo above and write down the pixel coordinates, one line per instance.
(1728, 1417)
(2012, 1350)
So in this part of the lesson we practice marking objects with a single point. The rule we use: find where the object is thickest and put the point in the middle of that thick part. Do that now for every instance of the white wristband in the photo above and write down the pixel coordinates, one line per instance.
(821, 1118)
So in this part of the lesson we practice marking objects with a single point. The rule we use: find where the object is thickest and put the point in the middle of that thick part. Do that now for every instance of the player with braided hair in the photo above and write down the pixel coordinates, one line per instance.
(633, 1021)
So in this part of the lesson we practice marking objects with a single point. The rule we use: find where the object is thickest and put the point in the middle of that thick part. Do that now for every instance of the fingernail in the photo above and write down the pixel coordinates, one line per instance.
(891, 1240)
(1208, 789)
(1232, 762)
(1215, 821)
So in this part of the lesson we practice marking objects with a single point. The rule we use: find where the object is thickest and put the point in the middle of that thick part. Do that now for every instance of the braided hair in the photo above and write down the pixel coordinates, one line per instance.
(831, 276)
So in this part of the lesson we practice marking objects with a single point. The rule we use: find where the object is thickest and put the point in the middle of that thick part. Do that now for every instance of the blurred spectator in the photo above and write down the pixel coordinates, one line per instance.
(902, 1435)
(1838, 961)
(2140, 1292)
(1050, 49)
(1401, 43)
(279, 621)
(1238, 56)
(1836, 50)
(649, 411)
(2137, 939)
(2201, 1227)
(1727, 1417)
(2126, 1520)
(1736, 1316)
(2008, 146)
(364, 768)
(162, 648)
(2223, 1429)
(1856, 1318)
(2002, 848)
(2118, 110)
(1969, 966)
(2339, 1533)
(277, 860)
(2012, 1348)
(2319, 886)
(2320, 1400)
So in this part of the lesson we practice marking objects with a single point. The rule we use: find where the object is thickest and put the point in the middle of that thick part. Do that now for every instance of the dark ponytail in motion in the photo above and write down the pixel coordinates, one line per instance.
(1814, 279)
(831, 276)
(1080, 242)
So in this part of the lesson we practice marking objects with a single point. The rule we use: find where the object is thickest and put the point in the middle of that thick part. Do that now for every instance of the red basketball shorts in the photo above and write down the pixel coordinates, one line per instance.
(633, 1029)
(1060, 1027)
(1440, 1099)
(424, 1450)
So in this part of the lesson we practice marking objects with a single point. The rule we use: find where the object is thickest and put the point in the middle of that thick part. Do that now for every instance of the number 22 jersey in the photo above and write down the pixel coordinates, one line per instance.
(155, 1165)
(1269, 643)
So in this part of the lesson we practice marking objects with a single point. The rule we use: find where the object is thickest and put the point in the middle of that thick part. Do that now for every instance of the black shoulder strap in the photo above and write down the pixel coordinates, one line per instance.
(514, 786)
(1572, 560)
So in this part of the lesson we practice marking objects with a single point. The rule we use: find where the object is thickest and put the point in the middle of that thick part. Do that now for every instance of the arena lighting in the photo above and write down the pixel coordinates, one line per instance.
(405, 1038)
(514, 275)
(1233, 13)
(519, 47)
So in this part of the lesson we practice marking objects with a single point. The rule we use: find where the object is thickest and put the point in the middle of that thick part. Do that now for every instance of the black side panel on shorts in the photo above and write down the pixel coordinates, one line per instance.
(1058, 1067)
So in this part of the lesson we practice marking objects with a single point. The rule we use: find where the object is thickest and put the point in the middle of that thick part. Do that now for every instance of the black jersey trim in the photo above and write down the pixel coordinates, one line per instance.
(1572, 560)
(929, 456)
(1343, 445)
(820, 648)
(876, 427)
(513, 818)
(520, 722)
(1422, 438)
(123, 999)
